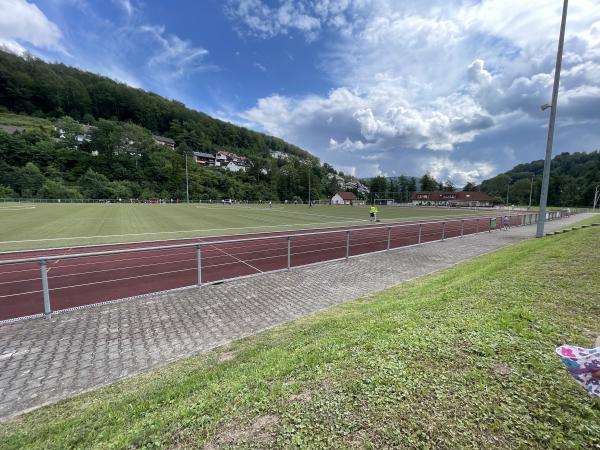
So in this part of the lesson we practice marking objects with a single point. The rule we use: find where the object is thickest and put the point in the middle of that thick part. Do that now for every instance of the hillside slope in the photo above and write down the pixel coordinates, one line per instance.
(574, 177)
(120, 158)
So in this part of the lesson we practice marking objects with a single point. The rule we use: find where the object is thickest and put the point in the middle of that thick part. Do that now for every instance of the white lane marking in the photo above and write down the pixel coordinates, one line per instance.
(234, 257)
(258, 227)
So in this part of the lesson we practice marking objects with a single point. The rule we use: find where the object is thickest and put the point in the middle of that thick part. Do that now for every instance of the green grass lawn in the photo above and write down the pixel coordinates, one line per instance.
(463, 358)
(42, 225)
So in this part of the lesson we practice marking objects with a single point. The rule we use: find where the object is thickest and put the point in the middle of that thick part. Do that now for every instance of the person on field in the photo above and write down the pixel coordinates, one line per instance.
(373, 213)
(270, 204)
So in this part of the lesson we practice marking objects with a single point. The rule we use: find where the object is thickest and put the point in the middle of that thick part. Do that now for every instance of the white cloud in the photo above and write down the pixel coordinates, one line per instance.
(126, 5)
(260, 67)
(428, 82)
(174, 57)
(21, 21)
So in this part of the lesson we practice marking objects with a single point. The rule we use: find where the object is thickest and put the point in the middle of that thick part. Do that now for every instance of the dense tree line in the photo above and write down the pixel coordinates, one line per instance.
(121, 159)
(400, 188)
(574, 177)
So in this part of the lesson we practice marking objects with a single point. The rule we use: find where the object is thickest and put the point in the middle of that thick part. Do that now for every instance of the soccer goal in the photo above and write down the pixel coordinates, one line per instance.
(384, 201)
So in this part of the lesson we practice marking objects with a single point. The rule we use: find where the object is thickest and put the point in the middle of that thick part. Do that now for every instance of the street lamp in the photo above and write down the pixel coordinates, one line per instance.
(530, 192)
(187, 179)
(552, 120)
(507, 190)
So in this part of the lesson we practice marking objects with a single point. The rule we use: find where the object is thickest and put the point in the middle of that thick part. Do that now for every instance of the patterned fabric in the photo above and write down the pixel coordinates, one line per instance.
(580, 363)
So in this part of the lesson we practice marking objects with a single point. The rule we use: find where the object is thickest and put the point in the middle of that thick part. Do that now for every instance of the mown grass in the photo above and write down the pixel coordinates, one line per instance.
(463, 358)
(40, 225)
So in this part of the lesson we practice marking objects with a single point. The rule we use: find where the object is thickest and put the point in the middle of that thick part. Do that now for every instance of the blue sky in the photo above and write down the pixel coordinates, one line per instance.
(371, 86)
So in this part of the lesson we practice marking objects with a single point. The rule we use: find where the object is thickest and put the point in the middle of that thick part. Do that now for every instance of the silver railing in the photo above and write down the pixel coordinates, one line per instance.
(477, 224)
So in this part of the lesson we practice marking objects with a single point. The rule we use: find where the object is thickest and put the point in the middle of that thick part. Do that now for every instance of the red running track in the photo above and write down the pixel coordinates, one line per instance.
(87, 280)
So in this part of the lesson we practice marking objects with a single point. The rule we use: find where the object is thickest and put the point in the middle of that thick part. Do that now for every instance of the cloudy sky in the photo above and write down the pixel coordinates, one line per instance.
(373, 87)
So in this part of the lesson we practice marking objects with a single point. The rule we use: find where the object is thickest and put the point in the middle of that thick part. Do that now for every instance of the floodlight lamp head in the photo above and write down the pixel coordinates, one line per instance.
(545, 106)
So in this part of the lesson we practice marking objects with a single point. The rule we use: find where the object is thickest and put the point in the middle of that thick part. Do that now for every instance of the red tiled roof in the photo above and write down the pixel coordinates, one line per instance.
(461, 196)
(347, 195)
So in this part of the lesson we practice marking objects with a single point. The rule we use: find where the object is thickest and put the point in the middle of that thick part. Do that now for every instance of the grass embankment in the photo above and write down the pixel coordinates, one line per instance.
(41, 225)
(589, 221)
(461, 358)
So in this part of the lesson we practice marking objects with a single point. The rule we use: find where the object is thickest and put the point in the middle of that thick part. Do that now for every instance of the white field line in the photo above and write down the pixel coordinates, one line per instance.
(397, 220)
(15, 208)
(164, 232)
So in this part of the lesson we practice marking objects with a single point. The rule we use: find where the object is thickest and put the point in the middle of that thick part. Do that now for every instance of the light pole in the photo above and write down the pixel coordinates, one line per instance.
(507, 190)
(530, 192)
(187, 180)
(309, 170)
(596, 197)
(552, 120)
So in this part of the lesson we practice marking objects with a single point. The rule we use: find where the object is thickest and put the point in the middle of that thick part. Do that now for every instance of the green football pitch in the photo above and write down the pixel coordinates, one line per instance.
(41, 225)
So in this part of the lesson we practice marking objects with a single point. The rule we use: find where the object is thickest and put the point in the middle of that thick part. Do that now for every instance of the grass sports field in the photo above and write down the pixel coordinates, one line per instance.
(30, 226)
(463, 358)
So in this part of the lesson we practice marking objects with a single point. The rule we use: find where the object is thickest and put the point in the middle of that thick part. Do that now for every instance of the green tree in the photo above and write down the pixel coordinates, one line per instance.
(428, 183)
(95, 185)
(470, 187)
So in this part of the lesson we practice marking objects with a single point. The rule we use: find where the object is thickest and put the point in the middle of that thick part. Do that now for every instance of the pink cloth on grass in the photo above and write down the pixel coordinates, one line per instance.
(580, 363)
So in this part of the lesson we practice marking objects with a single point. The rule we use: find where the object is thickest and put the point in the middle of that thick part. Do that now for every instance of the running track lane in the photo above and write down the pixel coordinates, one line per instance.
(88, 280)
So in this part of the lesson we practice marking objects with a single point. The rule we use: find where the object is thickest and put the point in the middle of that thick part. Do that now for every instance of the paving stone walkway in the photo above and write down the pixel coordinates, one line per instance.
(42, 361)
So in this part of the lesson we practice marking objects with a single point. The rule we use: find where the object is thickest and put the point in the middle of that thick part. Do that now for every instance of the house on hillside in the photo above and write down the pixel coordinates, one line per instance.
(279, 155)
(343, 198)
(442, 198)
(161, 140)
(10, 129)
(204, 159)
(356, 186)
(232, 161)
(86, 135)
(236, 166)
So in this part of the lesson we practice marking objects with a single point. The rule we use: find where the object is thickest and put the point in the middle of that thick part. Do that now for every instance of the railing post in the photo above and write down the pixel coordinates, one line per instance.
(389, 238)
(289, 253)
(44, 270)
(420, 232)
(199, 259)
(347, 244)
(443, 230)
(490, 230)
(477, 226)
(462, 228)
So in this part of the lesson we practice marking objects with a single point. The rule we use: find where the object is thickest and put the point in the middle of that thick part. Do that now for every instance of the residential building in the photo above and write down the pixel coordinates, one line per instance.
(356, 186)
(232, 161)
(279, 155)
(161, 140)
(236, 166)
(442, 198)
(343, 198)
(204, 159)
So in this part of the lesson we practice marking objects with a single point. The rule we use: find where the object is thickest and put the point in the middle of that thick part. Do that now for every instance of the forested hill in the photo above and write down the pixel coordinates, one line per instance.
(31, 86)
(574, 177)
(84, 135)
